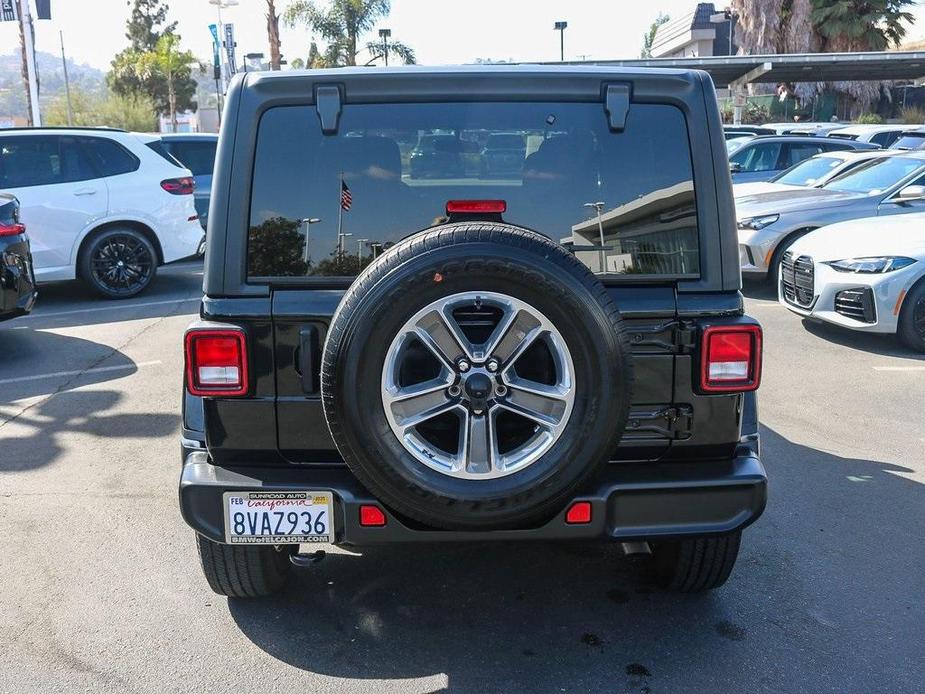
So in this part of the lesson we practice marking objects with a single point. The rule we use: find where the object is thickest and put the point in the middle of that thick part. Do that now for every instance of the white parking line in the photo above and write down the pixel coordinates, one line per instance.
(899, 368)
(110, 307)
(99, 369)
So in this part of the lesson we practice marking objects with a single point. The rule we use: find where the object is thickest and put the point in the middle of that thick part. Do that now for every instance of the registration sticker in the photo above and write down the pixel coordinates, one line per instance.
(276, 518)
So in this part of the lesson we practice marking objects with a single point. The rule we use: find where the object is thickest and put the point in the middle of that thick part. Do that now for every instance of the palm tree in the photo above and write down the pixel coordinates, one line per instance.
(273, 35)
(342, 24)
(825, 26)
(166, 61)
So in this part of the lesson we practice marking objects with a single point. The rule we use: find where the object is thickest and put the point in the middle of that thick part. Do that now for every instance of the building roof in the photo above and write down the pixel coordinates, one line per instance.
(684, 26)
(796, 67)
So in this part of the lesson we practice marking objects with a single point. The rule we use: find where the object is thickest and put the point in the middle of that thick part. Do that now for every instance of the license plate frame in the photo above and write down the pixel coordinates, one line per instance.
(262, 507)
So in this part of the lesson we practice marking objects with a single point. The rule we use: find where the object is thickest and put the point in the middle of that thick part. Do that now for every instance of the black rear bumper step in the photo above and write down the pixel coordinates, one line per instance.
(634, 502)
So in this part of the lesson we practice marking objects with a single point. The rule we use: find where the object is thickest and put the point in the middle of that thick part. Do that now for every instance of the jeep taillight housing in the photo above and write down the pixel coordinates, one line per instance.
(216, 362)
(731, 358)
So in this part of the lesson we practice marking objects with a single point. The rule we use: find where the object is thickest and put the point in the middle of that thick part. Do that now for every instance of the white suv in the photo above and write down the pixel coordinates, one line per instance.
(106, 206)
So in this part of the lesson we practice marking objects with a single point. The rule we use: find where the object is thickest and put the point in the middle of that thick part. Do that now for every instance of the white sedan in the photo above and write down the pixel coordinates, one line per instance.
(865, 274)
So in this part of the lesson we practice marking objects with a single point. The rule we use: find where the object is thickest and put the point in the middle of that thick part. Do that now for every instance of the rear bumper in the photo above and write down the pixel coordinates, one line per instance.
(17, 281)
(629, 501)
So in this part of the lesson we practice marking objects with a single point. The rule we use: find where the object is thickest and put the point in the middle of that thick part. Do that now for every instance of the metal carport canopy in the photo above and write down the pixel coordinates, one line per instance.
(794, 67)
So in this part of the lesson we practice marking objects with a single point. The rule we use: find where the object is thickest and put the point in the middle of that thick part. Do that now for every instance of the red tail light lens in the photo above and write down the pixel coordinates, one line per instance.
(179, 186)
(216, 362)
(371, 516)
(476, 206)
(731, 358)
(12, 229)
(578, 513)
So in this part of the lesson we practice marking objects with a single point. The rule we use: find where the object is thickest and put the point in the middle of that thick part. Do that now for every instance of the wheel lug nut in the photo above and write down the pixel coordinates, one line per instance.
(492, 365)
(500, 390)
(462, 365)
(454, 391)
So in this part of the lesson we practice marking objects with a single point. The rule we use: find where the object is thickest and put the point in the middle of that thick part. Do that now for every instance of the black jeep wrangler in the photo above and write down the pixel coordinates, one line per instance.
(555, 351)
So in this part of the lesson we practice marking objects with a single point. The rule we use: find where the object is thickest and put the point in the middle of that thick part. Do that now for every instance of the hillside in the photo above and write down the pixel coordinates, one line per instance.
(51, 78)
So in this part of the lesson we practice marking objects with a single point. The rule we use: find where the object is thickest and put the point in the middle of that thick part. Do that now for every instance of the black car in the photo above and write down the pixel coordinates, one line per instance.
(437, 155)
(558, 356)
(503, 155)
(17, 280)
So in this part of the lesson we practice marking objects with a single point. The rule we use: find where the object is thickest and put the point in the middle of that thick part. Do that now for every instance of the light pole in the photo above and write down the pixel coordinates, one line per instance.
(560, 27)
(384, 34)
(727, 15)
(308, 221)
(219, 6)
(599, 207)
(360, 243)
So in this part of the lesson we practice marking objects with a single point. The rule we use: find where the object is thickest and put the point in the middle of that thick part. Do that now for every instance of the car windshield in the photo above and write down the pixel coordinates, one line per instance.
(877, 176)
(736, 142)
(809, 171)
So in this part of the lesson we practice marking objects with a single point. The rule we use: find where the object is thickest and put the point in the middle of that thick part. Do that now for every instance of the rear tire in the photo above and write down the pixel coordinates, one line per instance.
(697, 564)
(118, 263)
(911, 328)
(250, 571)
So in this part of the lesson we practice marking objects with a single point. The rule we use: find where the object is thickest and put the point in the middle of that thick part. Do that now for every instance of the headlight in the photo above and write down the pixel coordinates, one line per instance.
(878, 264)
(756, 223)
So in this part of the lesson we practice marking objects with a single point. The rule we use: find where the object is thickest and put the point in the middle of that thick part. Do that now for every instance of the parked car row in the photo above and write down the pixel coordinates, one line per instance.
(102, 205)
(840, 234)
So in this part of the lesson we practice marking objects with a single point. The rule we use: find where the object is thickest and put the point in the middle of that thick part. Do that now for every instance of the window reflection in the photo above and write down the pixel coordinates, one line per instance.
(402, 162)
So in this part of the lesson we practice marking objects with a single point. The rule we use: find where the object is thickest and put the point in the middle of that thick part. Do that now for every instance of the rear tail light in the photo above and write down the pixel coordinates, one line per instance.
(476, 206)
(179, 186)
(731, 358)
(216, 362)
(12, 229)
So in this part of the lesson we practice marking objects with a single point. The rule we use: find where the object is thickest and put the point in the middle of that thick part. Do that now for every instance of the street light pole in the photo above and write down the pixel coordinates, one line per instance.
(560, 27)
(599, 207)
(360, 243)
(384, 34)
(306, 254)
(67, 85)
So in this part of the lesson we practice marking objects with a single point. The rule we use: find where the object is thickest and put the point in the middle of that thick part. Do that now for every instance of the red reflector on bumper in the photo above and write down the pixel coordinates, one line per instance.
(578, 513)
(371, 516)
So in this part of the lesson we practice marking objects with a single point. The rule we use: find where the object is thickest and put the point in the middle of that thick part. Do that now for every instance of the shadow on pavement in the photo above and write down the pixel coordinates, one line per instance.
(874, 343)
(176, 289)
(753, 289)
(838, 557)
(83, 412)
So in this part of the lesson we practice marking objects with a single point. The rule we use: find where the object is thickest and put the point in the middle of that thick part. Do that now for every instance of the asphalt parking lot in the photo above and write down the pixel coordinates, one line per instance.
(102, 590)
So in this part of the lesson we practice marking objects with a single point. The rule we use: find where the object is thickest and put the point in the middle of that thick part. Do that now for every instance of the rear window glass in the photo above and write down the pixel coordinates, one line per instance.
(809, 171)
(158, 147)
(910, 141)
(198, 157)
(624, 203)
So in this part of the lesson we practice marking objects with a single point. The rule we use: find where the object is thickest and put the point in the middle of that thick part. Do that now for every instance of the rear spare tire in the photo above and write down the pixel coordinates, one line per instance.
(475, 375)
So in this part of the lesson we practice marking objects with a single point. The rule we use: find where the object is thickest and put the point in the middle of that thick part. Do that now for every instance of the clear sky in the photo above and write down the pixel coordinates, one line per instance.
(441, 31)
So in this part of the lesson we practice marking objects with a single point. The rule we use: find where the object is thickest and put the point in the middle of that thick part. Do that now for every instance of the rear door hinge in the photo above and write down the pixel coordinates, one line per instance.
(676, 337)
(684, 336)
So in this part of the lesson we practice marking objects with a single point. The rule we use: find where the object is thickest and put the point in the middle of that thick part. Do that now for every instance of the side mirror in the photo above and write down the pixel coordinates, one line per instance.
(910, 193)
(737, 168)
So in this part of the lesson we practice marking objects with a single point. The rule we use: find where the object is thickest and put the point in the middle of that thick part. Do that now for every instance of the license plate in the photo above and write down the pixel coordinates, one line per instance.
(275, 518)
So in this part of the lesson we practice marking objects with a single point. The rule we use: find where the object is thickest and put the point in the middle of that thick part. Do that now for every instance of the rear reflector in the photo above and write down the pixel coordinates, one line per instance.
(731, 358)
(371, 516)
(476, 206)
(12, 229)
(216, 362)
(578, 513)
(184, 185)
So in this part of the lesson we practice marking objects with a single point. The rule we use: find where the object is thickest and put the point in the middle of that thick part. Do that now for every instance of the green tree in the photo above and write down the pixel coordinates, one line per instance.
(342, 24)
(103, 108)
(297, 64)
(649, 37)
(144, 28)
(167, 63)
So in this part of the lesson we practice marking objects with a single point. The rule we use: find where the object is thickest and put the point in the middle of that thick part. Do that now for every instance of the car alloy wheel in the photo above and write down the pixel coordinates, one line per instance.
(504, 420)
(121, 264)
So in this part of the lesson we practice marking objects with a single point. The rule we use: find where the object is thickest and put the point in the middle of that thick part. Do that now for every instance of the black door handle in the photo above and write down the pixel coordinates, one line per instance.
(307, 358)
